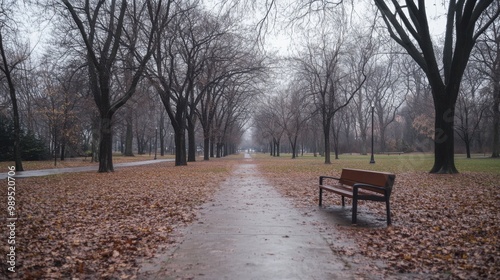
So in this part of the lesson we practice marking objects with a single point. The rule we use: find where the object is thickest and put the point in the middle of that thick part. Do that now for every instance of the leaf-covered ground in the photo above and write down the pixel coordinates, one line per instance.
(96, 226)
(444, 226)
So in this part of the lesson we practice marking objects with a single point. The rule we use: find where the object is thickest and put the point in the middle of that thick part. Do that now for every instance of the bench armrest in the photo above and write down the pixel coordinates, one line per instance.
(326, 177)
(369, 187)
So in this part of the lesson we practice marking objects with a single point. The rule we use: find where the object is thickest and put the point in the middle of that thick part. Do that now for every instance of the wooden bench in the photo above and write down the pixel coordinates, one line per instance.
(360, 185)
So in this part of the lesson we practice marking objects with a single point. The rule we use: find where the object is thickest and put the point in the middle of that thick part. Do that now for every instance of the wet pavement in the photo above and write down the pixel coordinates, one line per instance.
(249, 231)
(94, 168)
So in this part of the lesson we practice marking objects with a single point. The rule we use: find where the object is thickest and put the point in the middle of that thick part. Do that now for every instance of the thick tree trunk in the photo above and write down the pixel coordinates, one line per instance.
(444, 140)
(277, 147)
(106, 146)
(180, 146)
(206, 148)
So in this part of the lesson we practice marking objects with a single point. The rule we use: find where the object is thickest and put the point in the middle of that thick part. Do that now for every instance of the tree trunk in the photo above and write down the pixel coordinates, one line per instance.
(212, 146)
(17, 132)
(191, 140)
(336, 146)
(326, 135)
(162, 141)
(63, 149)
(129, 137)
(162, 133)
(277, 147)
(106, 146)
(15, 109)
(467, 145)
(496, 120)
(293, 143)
(444, 140)
(336, 135)
(381, 138)
(206, 147)
(218, 153)
(95, 137)
(180, 146)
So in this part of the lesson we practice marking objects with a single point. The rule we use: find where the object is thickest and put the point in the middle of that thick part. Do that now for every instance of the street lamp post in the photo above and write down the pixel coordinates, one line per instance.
(156, 139)
(372, 160)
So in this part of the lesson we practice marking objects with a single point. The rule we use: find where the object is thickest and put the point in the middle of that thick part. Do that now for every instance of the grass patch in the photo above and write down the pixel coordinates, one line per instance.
(80, 161)
(410, 162)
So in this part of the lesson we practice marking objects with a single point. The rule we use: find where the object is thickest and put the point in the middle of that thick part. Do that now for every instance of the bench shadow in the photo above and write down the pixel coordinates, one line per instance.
(342, 216)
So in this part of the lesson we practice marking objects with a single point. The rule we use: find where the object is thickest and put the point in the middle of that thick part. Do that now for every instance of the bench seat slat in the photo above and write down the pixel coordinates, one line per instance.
(347, 191)
(344, 191)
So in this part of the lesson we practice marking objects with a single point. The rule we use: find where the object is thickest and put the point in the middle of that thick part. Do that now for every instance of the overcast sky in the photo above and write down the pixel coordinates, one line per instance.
(280, 36)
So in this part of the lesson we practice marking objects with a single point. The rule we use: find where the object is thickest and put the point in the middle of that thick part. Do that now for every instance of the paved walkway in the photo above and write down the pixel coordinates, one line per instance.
(249, 231)
(53, 171)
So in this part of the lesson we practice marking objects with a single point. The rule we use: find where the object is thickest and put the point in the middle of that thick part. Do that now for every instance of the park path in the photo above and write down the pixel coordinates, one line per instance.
(53, 171)
(249, 231)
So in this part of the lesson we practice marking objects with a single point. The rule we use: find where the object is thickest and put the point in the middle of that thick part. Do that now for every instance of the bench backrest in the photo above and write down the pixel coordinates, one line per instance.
(379, 179)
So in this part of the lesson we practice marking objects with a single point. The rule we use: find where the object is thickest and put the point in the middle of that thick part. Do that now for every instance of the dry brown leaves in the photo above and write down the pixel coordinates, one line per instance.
(444, 226)
(91, 225)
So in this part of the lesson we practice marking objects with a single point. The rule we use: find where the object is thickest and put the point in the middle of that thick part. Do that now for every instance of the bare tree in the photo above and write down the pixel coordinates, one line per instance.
(231, 59)
(59, 97)
(176, 67)
(294, 110)
(487, 54)
(12, 53)
(387, 95)
(332, 74)
(102, 28)
(266, 120)
(408, 25)
(471, 106)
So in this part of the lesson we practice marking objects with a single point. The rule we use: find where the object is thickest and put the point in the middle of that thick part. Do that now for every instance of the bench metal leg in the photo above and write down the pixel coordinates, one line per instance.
(354, 210)
(388, 208)
(343, 201)
(320, 196)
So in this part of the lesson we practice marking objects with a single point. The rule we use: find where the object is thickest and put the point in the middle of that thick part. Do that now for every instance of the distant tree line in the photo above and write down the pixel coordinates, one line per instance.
(180, 77)
(126, 76)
